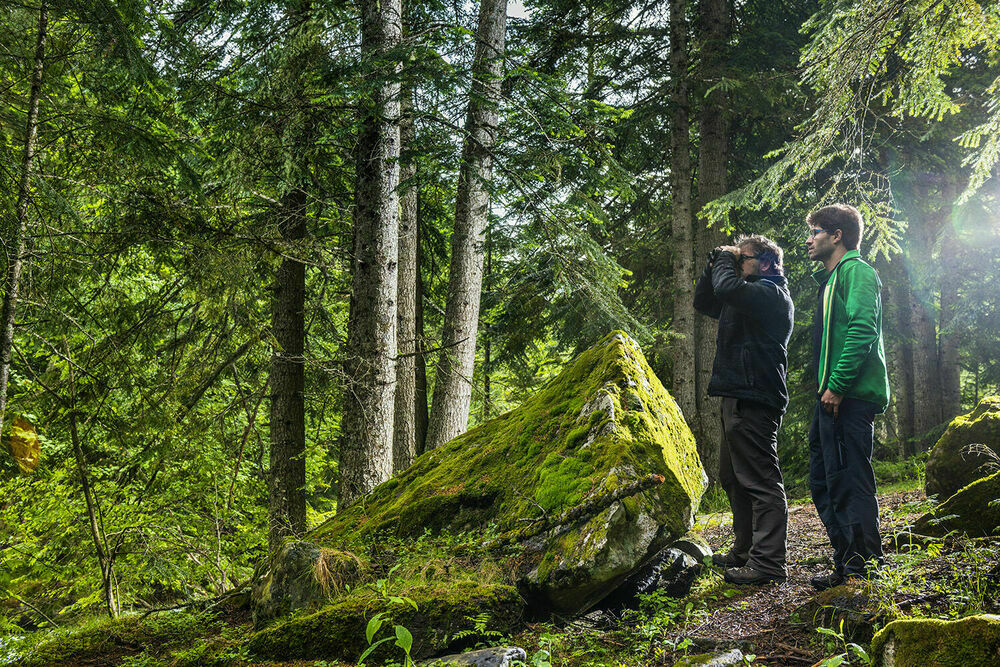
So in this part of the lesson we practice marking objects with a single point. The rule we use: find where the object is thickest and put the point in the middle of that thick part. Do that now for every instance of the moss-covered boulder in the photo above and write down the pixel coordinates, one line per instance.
(974, 510)
(932, 643)
(438, 617)
(302, 576)
(590, 478)
(950, 466)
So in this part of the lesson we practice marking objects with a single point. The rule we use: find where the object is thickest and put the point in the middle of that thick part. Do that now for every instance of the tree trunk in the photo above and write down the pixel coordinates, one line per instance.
(370, 352)
(712, 161)
(287, 502)
(404, 443)
(287, 505)
(948, 335)
(899, 350)
(923, 329)
(453, 381)
(19, 242)
(683, 325)
(420, 392)
(96, 532)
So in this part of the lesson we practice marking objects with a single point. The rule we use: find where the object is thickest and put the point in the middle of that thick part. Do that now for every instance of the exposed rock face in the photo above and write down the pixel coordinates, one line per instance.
(949, 467)
(562, 476)
(921, 642)
(969, 511)
(302, 576)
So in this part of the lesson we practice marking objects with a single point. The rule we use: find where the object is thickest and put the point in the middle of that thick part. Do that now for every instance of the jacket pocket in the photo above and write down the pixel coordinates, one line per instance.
(747, 367)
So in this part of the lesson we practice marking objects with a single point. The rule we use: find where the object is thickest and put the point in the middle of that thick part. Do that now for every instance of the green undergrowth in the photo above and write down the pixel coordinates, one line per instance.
(586, 432)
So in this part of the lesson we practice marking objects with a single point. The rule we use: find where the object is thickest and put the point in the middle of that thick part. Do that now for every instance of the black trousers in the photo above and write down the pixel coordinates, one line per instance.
(751, 478)
(842, 482)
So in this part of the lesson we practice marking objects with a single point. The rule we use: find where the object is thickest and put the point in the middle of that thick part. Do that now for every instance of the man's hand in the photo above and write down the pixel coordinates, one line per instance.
(831, 402)
(730, 248)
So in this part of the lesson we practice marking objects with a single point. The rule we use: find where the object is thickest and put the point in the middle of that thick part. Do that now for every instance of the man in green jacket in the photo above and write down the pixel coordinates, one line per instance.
(853, 388)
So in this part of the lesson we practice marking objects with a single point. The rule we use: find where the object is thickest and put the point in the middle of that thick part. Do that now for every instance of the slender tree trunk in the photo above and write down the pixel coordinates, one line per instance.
(682, 240)
(948, 335)
(488, 342)
(404, 443)
(287, 506)
(453, 381)
(19, 242)
(420, 391)
(900, 350)
(926, 377)
(712, 183)
(96, 532)
(370, 353)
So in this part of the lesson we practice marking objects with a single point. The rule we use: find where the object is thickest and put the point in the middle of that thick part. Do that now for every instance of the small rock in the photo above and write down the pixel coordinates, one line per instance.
(501, 656)
(672, 571)
(728, 659)
(694, 545)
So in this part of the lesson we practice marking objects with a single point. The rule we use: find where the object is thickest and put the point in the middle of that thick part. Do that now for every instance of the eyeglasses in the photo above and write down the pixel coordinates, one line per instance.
(814, 231)
(743, 257)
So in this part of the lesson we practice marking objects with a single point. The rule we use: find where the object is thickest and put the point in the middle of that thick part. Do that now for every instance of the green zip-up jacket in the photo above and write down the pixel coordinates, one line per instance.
(851, 356)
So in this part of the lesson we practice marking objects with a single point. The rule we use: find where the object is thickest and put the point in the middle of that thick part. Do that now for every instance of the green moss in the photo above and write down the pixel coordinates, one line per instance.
(934, 643)
(338, 630)
(99, 637)
(971, 510)
(948, 469)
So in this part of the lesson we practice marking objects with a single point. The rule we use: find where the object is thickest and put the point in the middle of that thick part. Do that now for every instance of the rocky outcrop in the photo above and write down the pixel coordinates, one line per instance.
(972, 511)
(589, 479)
(927, 642)
(951, 466)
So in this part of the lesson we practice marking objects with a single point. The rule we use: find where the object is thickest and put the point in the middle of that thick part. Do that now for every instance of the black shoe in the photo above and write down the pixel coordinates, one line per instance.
(747, 576)
(729, 559)
(821, 582)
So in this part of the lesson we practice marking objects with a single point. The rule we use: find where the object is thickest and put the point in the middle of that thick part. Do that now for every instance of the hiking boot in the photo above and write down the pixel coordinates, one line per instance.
(729, 559)
(821, 582)
(747, 576)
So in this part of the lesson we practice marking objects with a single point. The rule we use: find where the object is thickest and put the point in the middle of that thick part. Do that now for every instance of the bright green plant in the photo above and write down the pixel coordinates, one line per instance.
(851, 651)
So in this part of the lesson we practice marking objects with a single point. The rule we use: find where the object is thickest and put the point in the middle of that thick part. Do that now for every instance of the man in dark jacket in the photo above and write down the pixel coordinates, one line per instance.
(744, 288)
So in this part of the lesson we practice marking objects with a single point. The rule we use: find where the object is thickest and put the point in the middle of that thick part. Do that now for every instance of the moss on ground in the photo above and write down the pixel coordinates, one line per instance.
(974, 510)
(606, 411)
(444, 615)
(126, 635)
(948, 468)
(934, 643)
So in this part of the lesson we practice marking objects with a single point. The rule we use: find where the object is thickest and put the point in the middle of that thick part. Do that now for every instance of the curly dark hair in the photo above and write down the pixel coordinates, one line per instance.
(764, 249)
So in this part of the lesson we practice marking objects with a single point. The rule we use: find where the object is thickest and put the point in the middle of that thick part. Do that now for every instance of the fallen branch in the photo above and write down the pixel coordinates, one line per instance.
(590, 507)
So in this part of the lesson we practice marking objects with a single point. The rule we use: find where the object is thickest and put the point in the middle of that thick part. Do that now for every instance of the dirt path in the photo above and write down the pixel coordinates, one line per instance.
(763, 615)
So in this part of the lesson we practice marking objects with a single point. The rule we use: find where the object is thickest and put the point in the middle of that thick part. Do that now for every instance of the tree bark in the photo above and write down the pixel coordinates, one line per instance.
(453, 381)
(370, 352)
(682, 227)
(899, 350)
(404, 443)
(712, 183)
(420, 392)
(19, 242)
(287, 505)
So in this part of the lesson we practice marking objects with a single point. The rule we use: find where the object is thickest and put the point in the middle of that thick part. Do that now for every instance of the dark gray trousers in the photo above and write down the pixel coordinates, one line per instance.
(750, 476)
(842, 482)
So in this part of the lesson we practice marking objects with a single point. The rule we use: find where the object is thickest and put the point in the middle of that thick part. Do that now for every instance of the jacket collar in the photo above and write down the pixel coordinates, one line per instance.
(777, 280)
(821, 276)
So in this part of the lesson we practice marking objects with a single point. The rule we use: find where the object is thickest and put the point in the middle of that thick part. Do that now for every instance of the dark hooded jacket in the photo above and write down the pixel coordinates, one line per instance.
(755, 322)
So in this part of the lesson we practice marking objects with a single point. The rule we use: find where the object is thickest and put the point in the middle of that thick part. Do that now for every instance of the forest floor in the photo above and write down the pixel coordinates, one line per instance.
(774, 625)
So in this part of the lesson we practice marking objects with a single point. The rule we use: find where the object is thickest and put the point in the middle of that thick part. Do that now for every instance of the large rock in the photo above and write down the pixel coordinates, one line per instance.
(972, 511)
(591, 477)
(302, 576)
(950, 467)
(927, 642)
